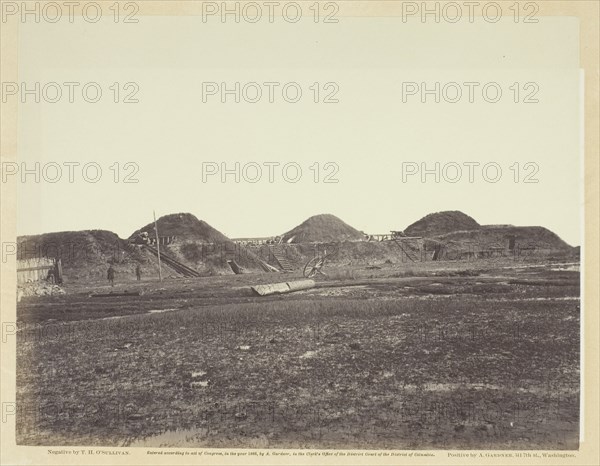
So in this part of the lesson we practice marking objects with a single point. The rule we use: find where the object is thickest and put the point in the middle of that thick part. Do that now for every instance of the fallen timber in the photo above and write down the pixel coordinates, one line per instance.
(116, 294)
(281, 288)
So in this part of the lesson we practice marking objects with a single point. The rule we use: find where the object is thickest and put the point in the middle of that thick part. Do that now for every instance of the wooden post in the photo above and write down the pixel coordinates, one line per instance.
(157, 247)
(58, 273)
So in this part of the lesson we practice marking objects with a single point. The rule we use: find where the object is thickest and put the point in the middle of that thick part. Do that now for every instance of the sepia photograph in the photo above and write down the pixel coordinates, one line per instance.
(309, 232)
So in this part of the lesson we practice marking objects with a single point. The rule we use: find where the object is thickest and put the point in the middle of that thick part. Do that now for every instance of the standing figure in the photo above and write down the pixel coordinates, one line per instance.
(110, 275)
(138, 272)
(50, 276)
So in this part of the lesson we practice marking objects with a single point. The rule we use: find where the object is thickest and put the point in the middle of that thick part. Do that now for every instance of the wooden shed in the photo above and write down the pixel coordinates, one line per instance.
(37, 269)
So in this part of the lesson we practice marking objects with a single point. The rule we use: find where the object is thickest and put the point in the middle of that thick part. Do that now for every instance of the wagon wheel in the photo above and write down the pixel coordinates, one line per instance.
(313, 267)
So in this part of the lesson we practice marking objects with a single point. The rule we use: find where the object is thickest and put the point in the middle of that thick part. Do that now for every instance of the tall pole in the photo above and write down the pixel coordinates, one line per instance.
(157, 246)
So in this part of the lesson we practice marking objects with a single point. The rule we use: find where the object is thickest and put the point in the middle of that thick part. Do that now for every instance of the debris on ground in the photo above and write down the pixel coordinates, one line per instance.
(308, 355)
(38, 289)
(199, 384)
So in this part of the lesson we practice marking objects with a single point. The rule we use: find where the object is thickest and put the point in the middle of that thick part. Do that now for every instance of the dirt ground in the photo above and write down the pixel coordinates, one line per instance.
(471, 355)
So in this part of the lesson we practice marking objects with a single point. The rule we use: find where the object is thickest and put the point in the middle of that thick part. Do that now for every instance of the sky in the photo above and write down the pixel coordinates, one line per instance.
(357, 155)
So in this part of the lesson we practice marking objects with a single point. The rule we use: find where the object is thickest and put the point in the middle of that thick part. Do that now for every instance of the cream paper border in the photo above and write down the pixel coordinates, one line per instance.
(588, 13)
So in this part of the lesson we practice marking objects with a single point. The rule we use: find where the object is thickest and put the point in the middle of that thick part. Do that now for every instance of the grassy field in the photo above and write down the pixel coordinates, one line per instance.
(446, 357)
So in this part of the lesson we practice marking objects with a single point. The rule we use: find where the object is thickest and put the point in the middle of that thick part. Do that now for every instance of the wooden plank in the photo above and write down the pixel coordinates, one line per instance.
(41, 267)
(281, 288)
(116, 294)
